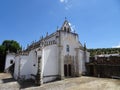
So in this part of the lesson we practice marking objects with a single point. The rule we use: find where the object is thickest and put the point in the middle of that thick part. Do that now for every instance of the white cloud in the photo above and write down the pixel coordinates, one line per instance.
(72, 27)
(62, 1)
(117, 46)
(67, 3)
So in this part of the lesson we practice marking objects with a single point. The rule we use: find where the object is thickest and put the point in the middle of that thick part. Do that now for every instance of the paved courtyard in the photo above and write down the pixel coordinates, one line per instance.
(79, 83)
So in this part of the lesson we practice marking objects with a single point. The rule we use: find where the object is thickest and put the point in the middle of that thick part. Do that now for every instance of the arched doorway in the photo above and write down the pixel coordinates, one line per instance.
(69, 66)
(67, 70)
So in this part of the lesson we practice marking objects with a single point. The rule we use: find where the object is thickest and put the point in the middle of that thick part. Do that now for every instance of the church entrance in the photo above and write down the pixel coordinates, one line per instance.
(69, 66)
(67, 70)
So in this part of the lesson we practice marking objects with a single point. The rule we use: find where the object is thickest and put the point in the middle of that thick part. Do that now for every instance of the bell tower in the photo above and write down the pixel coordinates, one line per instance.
(66, 26)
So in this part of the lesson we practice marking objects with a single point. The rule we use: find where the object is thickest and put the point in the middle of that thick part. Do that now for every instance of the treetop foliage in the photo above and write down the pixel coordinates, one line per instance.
(2, 49)
(9, 45)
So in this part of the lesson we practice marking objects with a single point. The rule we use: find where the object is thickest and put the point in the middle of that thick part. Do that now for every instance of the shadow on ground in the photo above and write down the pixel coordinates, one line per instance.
(27, 84)
(7, 80)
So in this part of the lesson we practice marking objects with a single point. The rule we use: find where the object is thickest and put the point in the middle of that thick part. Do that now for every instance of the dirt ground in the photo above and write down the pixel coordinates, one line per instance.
(79, 83)
(7, 82)
(91, 83)
(4, 76)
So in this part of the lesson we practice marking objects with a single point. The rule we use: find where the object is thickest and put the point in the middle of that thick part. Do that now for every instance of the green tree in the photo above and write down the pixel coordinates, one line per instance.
(2, 58)
(2, 49)
(12, 46)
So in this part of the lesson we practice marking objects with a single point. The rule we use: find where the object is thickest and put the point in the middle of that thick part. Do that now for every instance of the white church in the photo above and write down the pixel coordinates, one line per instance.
(56, 56)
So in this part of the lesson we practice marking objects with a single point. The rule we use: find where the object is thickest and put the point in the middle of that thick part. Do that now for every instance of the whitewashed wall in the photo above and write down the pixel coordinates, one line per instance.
(50, 63)
(83, 57)
(9, 57)
(16, 68)
(81, 62)
(87, 57)
(71, 40)
(22, 67)
(27, 65)
(32, 59)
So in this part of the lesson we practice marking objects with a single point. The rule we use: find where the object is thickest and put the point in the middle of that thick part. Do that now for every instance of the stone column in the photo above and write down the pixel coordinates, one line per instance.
(39, 76)
(61, 63)
(61, 59)
(77, 62)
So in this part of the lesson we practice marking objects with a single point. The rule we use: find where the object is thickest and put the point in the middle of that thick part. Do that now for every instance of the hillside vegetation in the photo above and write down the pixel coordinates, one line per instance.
(99, 51)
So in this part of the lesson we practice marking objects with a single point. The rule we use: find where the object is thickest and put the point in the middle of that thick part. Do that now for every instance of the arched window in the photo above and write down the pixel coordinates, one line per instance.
(67, 48)
(11, 61)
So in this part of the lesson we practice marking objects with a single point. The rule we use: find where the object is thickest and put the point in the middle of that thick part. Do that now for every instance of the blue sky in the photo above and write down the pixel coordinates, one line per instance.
(96, 21)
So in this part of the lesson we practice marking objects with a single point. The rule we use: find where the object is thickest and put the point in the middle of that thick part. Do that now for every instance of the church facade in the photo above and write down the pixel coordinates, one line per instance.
(55, 56)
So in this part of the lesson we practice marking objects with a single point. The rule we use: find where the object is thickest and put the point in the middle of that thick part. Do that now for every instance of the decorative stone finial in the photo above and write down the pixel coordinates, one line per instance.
(85, 46)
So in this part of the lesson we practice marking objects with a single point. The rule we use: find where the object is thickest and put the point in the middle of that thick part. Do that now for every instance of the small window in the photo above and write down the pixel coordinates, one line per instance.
(67, 48)
(11, 61)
